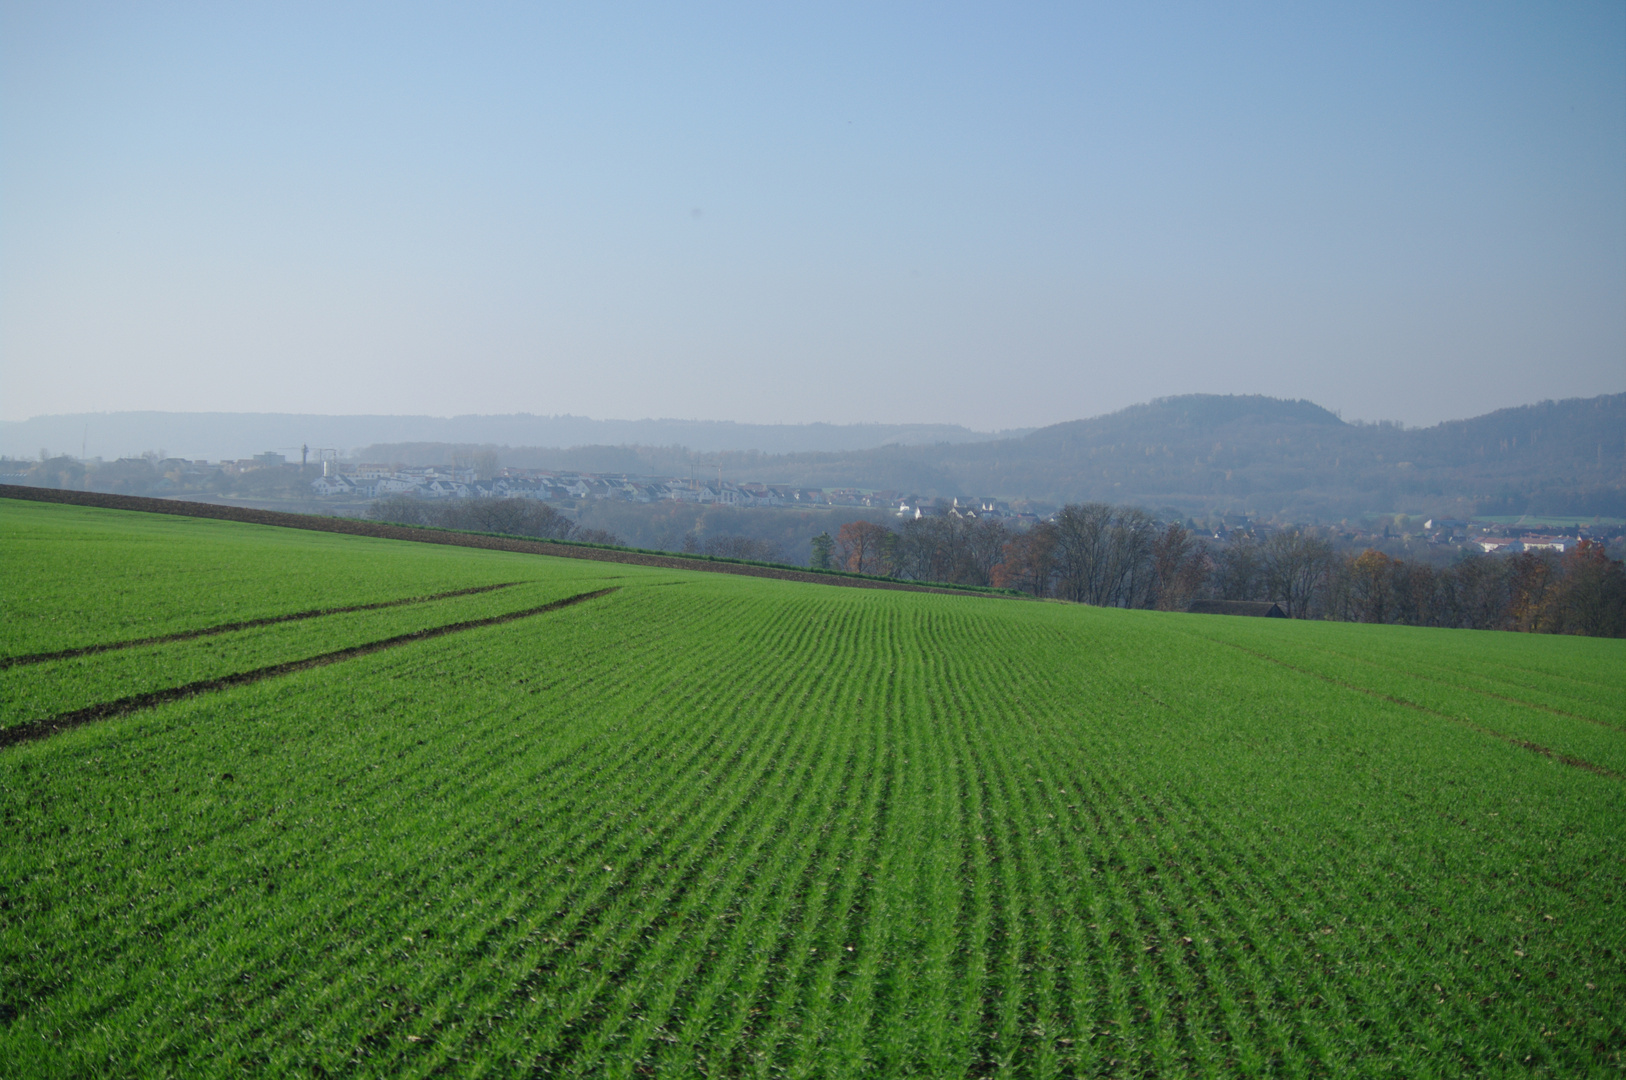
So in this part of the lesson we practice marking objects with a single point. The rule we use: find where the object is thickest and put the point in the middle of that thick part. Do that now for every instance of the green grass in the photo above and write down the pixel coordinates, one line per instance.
(725, 560)
(713, 825)
(34, 691)
(72, 576)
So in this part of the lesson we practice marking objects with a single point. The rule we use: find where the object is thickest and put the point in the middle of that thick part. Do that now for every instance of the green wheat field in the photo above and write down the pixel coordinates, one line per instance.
(691, 824)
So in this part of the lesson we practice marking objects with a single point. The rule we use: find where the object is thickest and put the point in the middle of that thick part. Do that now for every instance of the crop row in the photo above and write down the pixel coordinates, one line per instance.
(735, 827)
(40, 691)
(75, 576)
(1572, 719)
(1574, 674)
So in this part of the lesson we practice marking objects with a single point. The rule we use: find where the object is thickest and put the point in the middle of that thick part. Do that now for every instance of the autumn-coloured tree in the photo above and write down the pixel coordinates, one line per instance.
(1371, 586)
(860, 545)
(1592, 597)
(1530, 581)
(1029, 561)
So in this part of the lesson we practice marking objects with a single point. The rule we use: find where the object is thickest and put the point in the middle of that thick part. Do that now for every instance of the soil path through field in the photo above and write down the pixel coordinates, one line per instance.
(42, 729)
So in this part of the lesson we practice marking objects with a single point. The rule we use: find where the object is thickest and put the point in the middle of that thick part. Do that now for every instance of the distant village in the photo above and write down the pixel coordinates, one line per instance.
(364, 481)
(350, 483)
(430, 482)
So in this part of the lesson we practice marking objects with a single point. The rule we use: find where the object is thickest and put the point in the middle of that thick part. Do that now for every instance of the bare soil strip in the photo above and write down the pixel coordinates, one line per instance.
(356, 527)
(1535, 748)
(43, 729)
(248, 624)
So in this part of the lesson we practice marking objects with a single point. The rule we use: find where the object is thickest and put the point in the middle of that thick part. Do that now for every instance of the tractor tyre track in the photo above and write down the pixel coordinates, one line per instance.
(1525, 744)
(246, 624)
(45, 728)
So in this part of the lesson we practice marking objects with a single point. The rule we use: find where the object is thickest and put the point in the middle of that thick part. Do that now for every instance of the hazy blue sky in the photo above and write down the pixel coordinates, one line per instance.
(995, 215)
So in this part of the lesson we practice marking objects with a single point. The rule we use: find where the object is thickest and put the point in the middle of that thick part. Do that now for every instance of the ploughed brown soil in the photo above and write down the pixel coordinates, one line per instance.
(355, 527)
(41, 729)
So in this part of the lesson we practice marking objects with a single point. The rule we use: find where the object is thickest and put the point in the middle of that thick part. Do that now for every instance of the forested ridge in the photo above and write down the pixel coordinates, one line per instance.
(1200, 455)
(1293, 460)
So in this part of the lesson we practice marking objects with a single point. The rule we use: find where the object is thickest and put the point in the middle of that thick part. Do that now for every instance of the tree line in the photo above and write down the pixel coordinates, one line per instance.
(512, 517)
(1120, 556)
(1115, 556)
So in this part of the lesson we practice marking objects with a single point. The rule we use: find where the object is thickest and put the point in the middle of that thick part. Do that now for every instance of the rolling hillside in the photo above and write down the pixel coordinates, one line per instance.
(1197, 455)
(1290, 458)
(286, 802)
(1203, 453)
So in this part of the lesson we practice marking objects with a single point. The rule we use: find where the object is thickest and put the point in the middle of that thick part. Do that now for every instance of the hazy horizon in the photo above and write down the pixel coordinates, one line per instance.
(983, 217)
(206, 435)
(746, 421)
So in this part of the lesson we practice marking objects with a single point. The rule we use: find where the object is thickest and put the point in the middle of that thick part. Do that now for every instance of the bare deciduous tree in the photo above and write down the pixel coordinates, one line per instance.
(985, 542)
(1295, 566)
(1081, 555)
(512, 517)
(1180, 564)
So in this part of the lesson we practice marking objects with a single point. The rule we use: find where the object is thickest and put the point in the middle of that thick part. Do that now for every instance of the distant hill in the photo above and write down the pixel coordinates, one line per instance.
(239, 435)
(1292, 458)
(1194, 454)
(1202, 453)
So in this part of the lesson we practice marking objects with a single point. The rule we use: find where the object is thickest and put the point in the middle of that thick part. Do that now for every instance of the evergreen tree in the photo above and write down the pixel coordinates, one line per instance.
(822, 546)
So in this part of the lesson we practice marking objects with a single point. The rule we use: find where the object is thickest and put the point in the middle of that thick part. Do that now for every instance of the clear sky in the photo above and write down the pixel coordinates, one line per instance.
(996, 215)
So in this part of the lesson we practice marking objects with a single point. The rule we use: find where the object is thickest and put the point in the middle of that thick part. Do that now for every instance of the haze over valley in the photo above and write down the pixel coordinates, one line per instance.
(833, 540)
(1291, 461)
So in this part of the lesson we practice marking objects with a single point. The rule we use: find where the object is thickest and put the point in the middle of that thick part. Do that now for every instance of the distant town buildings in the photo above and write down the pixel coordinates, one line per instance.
(1508, 545)
(371, 481)
(271, 477)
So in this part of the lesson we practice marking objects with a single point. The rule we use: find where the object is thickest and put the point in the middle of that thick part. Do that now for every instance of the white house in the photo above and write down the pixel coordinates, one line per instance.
(333, 485)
